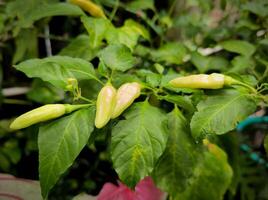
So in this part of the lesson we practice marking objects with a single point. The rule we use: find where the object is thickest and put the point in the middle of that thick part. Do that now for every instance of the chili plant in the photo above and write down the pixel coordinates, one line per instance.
(166, 85)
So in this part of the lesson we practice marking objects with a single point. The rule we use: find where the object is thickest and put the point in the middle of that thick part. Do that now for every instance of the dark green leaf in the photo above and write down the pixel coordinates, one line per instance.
(259, 7)
(117, 57)
(241, 63)
(181, 101)
(57, 69)
(239, 46)
(211, 176)
(45, 93)
(177, 163)
(138, 142)
(34, 10)
(266, 144)
(59, 144)
(26, 45)
(220, 113)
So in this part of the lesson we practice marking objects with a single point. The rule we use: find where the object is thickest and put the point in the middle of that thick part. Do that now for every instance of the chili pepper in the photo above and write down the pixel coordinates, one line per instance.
(90, 7)
(43, 113)
(125, 96)
(202, 81)
(105, 105)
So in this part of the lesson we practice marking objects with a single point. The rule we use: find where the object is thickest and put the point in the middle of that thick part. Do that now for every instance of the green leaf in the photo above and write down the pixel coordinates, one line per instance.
(239, 46)
(177, 163)
(57, 69)
(153, 79)
(59, 144)
(241, 63)
(259, 7)
(137, 5)
(11, 150)
(34, 10)
(138, 142)
(44, 93)
(206, 63)
(26, 45)
(117, 57)
(96, 28)
(220, 113)
(184, 102)
(170, 53)
(128, 34)
(79, 48)
(211, 176)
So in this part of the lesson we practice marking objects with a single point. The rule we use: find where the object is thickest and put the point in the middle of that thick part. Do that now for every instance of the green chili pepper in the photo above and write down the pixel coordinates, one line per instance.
(105, 105)
(202, 81)
(43, 113)
(125, 96)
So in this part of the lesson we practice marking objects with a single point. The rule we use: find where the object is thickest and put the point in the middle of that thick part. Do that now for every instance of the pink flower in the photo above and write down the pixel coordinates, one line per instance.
(144, 190)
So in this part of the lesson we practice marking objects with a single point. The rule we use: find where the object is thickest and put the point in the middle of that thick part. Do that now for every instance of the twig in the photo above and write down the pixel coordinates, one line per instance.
(47, 41)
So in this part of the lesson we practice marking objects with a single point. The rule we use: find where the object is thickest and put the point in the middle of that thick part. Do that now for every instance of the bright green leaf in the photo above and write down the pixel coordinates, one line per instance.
(206, 63)
(220, 113)
(79, 48)
(170, 53)
(138, 142)
(128, 34)
(117, 57)
(137, 5)
(59, 144)
(96, 28)
(138, 28)
(239, 46)
(57, 69)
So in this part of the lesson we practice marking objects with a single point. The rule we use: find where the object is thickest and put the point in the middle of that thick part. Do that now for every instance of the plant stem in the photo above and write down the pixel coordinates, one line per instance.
(86, 99)
(116, 6)
(16, 101)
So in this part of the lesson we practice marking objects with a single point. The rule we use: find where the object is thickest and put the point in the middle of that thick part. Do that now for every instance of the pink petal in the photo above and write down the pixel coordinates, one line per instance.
(146, 190)
(113, 192)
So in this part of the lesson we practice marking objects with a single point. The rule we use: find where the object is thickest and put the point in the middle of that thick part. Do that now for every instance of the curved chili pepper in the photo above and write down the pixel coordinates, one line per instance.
(105, 105)
(90, 7)
(202, 81)
(43, 113)
(125, 96)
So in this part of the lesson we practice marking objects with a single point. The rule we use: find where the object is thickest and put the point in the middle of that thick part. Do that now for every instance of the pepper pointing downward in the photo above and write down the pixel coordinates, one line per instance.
(125, 96)
(105, 105)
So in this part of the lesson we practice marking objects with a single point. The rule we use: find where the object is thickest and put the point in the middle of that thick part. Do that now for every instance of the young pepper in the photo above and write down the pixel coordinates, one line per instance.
(125, 96)
(43, 113)
(105, 104)
(90, 7)
(202, 81)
